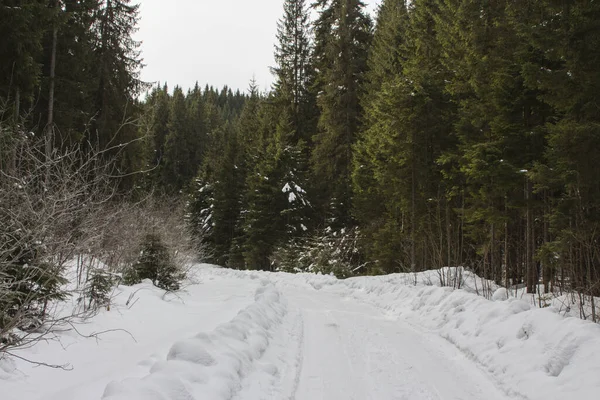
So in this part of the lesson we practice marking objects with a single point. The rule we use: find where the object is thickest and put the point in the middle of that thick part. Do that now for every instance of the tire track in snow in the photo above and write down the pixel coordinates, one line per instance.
(276, 375)
(353, 351)
(300, 356)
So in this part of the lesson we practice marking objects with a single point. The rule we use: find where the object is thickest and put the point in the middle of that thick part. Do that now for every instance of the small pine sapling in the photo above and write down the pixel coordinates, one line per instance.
(155, 263)
(97, 290)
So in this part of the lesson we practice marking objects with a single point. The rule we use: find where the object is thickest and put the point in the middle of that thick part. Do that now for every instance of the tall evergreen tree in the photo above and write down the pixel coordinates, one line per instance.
(374, 151)
(117, 67)
(292, 55)
(407, 127)
(262, 222)
(66, 106)
(198, 133)
(294, 104)
(343, 35)
(178, 168)
(498, 126)
(565, 37)
(159, 103)
(22, 26)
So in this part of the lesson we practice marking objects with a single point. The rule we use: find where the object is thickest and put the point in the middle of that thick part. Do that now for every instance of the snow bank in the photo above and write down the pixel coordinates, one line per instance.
(516, 343)
(210, 365)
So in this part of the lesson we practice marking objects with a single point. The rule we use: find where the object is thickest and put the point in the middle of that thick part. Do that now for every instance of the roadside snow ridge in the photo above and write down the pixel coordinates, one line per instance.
(210, 365)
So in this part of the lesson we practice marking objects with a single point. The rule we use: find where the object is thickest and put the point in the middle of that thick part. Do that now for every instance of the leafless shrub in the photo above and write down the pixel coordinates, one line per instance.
(125, 225)
(44, 201)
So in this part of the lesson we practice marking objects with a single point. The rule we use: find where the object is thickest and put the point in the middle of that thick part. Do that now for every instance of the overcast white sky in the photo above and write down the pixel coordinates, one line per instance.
(210, 41)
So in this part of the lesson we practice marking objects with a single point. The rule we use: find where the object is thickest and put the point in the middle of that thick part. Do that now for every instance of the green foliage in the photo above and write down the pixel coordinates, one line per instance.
(97, 289)
(28, 283)
(292, 73)
(179, 162)
(343, 36)
(22, 27)
(396, 177)
(199, 212)
(329, 252)
(75, 73)
(155, 263)
(158, 106)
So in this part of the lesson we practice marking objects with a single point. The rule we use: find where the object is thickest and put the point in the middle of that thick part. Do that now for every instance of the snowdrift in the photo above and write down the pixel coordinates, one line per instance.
(210, 365)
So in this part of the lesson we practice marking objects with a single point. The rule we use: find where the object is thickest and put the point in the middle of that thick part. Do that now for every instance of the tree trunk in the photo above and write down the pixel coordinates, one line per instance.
(506, 249)
(547, 270)
(12, 161)
(529, 240)
(413, 265)
(50, 122)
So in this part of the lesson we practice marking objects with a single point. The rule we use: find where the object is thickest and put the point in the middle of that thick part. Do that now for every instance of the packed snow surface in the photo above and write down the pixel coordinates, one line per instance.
(255, 335)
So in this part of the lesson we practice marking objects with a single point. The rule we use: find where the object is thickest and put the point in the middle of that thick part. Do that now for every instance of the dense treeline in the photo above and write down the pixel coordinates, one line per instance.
(480, 131)
(441, 133)
(70, 72)
(452, 133)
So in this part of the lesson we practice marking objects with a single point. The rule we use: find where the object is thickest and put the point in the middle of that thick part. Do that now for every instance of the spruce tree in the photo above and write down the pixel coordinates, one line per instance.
(68, 84)
(116, 69)
(400, 196)
(179, 159)
(564, 37)
(343, 35)
(379, 221)
(198, 132)
(256, 166)
(22, 27)
(292, 57)
(155, 263)
(293, 102)
(499, 126)
(159, 105)
(217, 196)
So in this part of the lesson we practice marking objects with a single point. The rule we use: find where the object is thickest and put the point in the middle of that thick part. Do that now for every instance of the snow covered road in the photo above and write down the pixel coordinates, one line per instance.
(260, 336)
(353, 351)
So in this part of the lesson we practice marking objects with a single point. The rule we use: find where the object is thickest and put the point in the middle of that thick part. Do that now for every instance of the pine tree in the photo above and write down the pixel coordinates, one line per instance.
(180, 163)
(65, 102)
(31, 283)
(96, 292)
(292, 162)
(343, 35)
(256, 167)
(292, 56)
(196, 121)
(158, 106)
(216, 204)
(499, 128)
(22, 26)
(219, 205)
(564, 37)
(116, 69)
(200, 214)
(372, 152)
(155, 263)
(262, 220)
(400, 198)
(293, 101)
(387, 51)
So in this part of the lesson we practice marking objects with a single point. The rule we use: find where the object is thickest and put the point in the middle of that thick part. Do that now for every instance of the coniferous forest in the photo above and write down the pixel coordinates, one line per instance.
(434, 133)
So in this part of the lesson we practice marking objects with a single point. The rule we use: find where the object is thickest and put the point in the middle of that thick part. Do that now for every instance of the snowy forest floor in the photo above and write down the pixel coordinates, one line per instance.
(254, 335)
